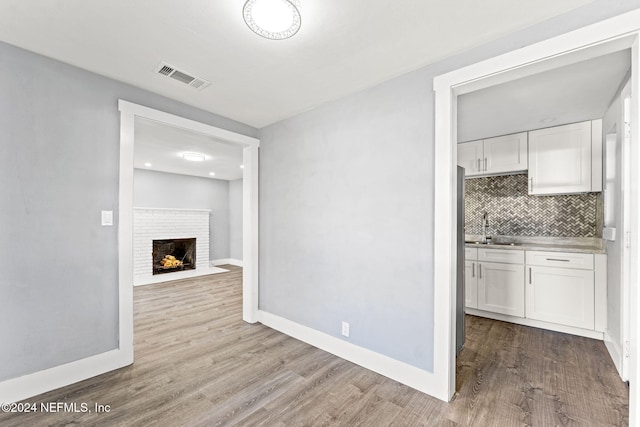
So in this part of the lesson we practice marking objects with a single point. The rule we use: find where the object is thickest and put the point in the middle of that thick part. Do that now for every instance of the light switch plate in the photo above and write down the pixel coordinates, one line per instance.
(107, 217)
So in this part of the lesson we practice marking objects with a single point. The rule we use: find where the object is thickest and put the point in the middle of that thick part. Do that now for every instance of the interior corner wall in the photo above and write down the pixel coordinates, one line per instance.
(235, 219)
(346, 205)
(59, 137)
(153, 189)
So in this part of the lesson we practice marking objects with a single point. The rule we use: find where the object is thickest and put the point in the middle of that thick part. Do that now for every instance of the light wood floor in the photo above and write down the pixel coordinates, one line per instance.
(198, 364)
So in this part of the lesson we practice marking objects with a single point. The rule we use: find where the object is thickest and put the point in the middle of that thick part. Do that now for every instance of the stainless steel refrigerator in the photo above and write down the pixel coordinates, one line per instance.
(460, 261)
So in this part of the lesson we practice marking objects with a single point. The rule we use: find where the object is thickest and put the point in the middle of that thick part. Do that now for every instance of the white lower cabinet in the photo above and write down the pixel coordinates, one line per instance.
(561, 288)
(494, 280)
(561, 295)
(553, 290)
(501, 288)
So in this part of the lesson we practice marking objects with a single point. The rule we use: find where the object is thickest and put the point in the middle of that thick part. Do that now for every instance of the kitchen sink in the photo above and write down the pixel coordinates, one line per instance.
(494, 244)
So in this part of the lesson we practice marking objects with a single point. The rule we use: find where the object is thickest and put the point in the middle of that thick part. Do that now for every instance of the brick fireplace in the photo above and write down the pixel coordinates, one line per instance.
(174, 230)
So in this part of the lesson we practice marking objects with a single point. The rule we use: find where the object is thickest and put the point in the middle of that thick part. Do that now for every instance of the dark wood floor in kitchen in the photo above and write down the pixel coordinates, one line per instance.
(198, 364)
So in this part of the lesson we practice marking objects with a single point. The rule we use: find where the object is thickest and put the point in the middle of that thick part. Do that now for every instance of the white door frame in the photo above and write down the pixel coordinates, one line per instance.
(612, 34)
(625, 194)
(128, 113)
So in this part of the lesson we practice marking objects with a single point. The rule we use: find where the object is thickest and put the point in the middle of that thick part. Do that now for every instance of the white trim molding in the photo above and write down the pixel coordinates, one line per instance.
(223, 261)
(128, 112)
(615, 352)
(617, 33)
(404, 373)
(26, 386)
(588, 333)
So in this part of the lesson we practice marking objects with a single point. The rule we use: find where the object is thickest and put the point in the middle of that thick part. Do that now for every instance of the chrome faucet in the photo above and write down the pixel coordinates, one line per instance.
(484, 224)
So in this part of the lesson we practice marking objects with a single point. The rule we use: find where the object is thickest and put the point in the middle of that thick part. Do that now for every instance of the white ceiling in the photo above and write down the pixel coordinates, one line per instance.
(573, 93)
(342, 47)
(163, 146)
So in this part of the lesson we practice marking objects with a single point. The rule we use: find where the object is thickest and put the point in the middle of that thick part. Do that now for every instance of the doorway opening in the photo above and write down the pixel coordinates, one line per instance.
(609, 36)
(129, 114)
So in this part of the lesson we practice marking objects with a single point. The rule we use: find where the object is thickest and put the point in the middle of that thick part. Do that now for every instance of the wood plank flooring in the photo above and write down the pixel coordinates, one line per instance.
(198, 364)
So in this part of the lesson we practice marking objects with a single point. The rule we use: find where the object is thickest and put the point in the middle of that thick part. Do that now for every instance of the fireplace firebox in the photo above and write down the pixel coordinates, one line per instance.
(171, 255)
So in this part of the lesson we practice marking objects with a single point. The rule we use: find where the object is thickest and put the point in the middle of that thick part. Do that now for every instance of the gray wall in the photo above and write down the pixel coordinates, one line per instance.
(153, 189)
(346, 205)
(364, 254)
(235, 219)
(59, 137)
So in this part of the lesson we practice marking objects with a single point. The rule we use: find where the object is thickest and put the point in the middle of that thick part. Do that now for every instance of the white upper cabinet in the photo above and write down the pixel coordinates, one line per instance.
(471, 158)
(493, 156)
(566, 159)
(506, 153)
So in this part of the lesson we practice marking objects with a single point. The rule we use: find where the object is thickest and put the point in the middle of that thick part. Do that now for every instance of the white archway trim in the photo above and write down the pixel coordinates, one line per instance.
(128, 112)
(588, 41)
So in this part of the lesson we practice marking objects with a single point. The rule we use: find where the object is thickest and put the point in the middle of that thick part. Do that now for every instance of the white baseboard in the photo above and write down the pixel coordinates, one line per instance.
(615, 352)
(537, 324)
(404, 373)
(30, 385)
(232, 261)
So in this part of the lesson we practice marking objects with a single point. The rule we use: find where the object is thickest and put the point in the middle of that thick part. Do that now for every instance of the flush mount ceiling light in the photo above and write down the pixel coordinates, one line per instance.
(194, 157)
(272, 19)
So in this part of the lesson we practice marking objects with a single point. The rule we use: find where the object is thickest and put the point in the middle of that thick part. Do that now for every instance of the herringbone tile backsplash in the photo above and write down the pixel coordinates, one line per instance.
(512, 212)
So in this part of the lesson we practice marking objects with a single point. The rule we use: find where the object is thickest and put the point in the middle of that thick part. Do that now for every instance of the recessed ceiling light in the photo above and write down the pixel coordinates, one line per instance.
(241, 166)
(547, 120)
(272, 19)
(212, 173)
(194, 157)
(147, 165)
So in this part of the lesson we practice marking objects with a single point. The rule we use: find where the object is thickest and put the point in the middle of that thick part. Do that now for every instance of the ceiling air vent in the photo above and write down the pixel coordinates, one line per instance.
(171, 72)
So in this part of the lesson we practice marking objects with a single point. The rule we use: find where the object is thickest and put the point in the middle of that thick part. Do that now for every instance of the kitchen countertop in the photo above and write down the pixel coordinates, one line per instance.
(549, 244)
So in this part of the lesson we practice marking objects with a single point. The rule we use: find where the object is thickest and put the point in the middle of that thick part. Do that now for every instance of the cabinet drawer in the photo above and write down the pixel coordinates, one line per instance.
(470, 253)
(560, 259)
(501, 255)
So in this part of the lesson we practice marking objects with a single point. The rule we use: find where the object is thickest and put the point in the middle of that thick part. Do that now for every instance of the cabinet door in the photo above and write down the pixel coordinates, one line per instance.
(506, 153)
(560, 159)
(560, 295)
(470, 157)
(501, 288)
(471, 284)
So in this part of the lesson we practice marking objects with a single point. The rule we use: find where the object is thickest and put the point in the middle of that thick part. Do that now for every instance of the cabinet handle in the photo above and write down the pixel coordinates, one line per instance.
(529, 275)
(479, 165)
(485, 164)
(479, 271)
(558, 259)
(473, 269)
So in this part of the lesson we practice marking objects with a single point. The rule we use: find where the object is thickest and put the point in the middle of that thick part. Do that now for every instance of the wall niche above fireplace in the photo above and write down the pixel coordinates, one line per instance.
(171, 255)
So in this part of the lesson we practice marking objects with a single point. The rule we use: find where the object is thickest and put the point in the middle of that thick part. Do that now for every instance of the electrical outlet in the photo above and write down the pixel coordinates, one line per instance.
(345, 329)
